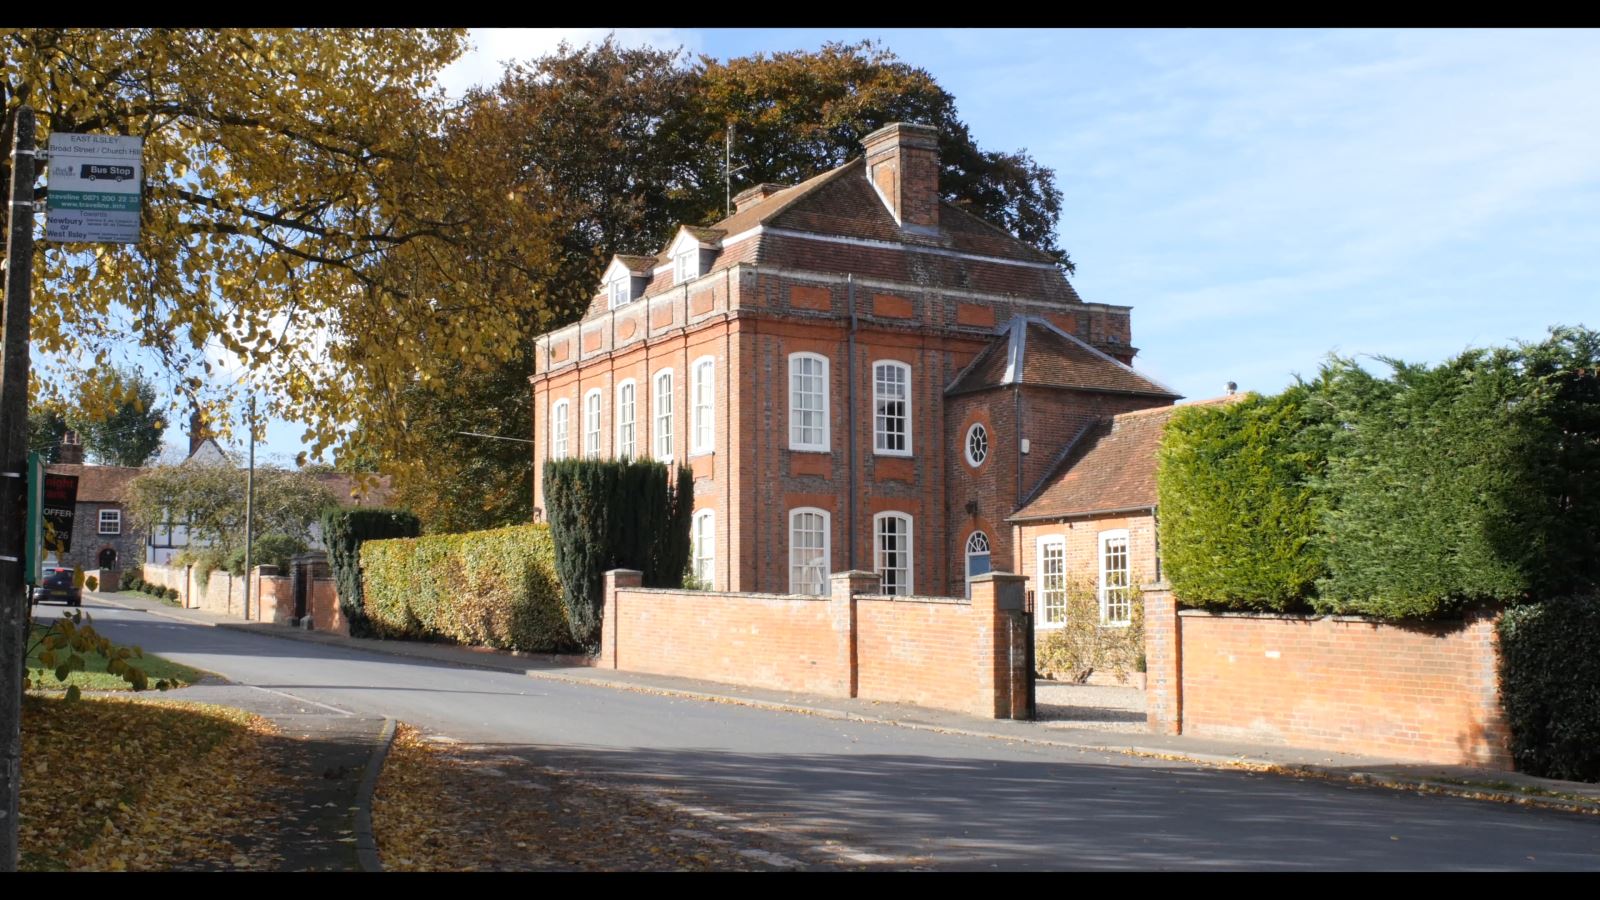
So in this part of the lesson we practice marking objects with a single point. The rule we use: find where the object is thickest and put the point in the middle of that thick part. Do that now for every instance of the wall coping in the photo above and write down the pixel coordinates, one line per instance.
(1188, 612)
(914, 598)
(677, 592)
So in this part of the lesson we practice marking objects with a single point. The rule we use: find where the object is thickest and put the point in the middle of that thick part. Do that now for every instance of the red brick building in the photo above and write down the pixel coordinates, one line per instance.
(861, 376)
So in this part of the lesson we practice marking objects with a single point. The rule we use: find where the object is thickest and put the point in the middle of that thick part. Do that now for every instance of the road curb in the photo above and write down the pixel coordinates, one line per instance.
(1212, 760)
(366, 844)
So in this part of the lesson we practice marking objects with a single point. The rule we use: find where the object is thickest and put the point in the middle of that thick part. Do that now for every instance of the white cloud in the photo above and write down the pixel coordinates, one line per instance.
(492, 48)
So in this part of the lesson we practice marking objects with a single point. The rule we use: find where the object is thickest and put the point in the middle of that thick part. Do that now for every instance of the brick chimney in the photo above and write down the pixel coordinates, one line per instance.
(903, 164)
(71, 449)
(751, 196)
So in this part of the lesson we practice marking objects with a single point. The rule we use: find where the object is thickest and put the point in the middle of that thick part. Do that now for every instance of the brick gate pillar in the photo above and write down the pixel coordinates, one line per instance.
(1163, 657)
(999, 653)
(843, 588)
(612, 581)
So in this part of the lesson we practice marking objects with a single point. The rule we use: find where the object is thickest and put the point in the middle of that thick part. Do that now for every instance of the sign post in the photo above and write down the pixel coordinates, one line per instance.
(94, 188)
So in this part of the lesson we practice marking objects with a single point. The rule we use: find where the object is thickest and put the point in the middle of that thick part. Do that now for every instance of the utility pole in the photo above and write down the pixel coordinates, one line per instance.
(13, 464)
(249, 506)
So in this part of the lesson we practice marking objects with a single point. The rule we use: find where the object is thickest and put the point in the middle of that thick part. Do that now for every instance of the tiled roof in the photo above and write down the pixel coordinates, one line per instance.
(1110, 467)
(98, 484)
(1033, 351)
(639, 264)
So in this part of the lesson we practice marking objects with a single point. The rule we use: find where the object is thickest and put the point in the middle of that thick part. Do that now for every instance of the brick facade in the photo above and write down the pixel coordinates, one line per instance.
(858, 271)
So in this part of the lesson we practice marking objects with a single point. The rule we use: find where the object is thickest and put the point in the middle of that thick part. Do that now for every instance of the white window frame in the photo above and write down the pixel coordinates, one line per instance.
(824, 444)
(619, 290)
(879, 436)
(627, 419)
(704, 548)
(591, 424)
(560, 417)
(878, 552)
(686, 265)
(661, 413)
(116, 521)
(702, 409)
(795, 585)
(1106, 538)
(988, 550)
(966, 444)
(1042, 616)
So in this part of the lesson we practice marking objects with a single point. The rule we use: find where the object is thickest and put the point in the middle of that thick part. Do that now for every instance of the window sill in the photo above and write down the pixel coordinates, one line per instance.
(817, 450)
(894, 454)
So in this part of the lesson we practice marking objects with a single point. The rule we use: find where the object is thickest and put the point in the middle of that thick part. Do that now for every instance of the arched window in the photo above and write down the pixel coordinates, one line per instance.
(891, 541)
(661, 403)
(627, 432)
(702, 394)
(891, 408)
(977, 557)
(591, 424)
(808, 551)
(703, 552)
(558, 430)
(808, 401)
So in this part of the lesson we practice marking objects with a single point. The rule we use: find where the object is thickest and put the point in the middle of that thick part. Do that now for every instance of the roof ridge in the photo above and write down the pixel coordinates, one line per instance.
(804, 188)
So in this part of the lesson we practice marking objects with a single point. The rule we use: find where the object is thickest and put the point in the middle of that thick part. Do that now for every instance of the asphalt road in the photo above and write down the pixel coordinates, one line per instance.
(892, 796)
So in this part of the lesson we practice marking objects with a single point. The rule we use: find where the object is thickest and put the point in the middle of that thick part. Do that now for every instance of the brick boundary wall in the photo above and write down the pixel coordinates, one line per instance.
(271, 595)
(940, 652)
(1428, 693)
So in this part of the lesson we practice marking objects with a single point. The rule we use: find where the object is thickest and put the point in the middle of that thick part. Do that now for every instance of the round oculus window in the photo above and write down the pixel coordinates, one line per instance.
(977, 444)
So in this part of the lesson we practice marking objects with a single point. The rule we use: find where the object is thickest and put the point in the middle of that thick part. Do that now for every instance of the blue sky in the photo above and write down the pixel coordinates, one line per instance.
(1261, 198)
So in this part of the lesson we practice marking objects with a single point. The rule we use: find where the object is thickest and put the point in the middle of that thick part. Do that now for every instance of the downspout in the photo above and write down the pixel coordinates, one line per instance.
(850, 420)
(1016, 416)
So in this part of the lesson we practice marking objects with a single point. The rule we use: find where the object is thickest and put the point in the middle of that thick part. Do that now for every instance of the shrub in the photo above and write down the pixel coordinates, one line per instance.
(268, 550)
(344, 531)
(1550, 686)
(607, 514)
(1082, 646)
(1466, 482)
(92, 583)
(132, 578)
(494, 588)
(1239, 510)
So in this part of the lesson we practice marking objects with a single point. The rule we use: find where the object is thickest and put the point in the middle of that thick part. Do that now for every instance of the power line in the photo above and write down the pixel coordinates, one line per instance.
(496, 437)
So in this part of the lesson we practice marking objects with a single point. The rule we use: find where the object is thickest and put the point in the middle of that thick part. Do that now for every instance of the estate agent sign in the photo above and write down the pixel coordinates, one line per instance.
(94, 188)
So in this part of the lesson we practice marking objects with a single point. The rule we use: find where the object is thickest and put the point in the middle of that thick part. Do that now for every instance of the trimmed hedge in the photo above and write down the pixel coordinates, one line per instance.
(494, 588)
(344, 531)
(1238, 508)
(1550, 686)
(607, 514)
(1405, 497)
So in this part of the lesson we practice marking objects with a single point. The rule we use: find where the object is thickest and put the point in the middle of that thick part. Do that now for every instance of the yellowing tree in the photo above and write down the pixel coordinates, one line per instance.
(306, 212)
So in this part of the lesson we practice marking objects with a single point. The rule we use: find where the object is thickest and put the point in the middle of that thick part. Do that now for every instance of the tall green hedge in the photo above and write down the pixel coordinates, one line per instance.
(1407, 496)
(1550, 686)
(1466, 482)
(344, 531)
(494, 588)
(607, 514)
(1238, 507)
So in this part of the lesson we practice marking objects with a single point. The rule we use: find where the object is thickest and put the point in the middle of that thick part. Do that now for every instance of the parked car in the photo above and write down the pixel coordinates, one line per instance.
(59, 585)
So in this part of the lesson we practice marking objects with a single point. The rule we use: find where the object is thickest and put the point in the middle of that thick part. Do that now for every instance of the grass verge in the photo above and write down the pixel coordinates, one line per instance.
(94, 676)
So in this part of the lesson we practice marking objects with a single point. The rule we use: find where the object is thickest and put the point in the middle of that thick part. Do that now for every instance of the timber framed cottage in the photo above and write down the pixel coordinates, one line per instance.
(861, 376)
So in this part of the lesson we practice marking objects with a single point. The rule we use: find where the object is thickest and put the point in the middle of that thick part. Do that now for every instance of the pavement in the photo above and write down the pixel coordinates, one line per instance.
(1467, 781)
(908, 786)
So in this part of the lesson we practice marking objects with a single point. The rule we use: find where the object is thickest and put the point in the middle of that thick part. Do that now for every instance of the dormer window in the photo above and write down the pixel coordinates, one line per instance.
(686, 265)
(620, 294)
